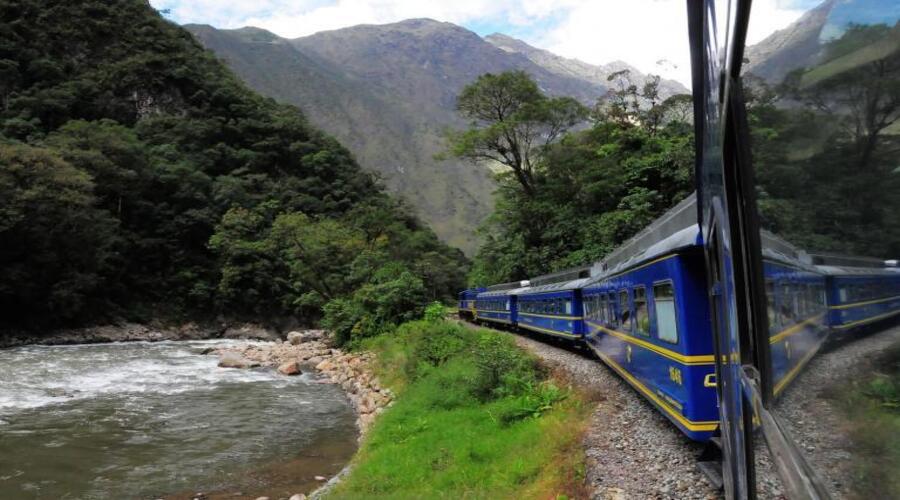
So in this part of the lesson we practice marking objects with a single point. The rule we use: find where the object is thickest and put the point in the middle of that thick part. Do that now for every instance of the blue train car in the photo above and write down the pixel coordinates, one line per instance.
(859, 291)
(647, 317)
(498, 303)
(796, 306)
(466, 306)
(552, 304)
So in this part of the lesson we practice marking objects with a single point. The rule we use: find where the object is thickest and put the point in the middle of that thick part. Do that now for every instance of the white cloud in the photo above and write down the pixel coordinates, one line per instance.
(649, 34)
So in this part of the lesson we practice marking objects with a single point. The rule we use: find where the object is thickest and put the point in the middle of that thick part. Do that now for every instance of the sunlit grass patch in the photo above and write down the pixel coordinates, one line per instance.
(476, 418)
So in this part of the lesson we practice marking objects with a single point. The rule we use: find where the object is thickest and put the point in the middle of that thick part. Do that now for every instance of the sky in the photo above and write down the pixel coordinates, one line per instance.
(648, 34)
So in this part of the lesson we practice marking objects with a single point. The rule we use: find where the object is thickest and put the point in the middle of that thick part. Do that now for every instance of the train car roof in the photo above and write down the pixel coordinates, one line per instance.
(780, 250)
(561, 286)
(675, 230)
(858, 271)
(504, 289)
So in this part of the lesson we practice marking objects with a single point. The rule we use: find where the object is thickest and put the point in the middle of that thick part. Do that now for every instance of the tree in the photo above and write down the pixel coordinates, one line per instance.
(512, 123)
(57, 246)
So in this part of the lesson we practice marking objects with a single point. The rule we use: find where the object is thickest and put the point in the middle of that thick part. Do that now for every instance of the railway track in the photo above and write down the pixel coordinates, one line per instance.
(632, 451)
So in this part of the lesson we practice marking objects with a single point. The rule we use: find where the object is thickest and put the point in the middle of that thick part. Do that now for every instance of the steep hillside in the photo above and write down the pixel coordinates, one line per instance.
(573, 68)
(388, 92)
(139, 177)
(785, 50)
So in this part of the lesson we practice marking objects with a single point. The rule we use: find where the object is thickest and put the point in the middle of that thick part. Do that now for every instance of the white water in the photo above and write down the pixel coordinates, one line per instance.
(142, 420)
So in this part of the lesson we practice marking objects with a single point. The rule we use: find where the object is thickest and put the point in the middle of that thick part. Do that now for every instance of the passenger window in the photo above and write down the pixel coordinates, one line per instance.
(666, 319)
(641, 318)
(611, 300)
(770, 307)
(602, 309)
(624, 311)
(568, 308)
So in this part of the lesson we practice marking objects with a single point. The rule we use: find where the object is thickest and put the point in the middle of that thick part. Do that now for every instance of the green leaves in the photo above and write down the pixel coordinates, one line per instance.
(141, 175)
(512, 123)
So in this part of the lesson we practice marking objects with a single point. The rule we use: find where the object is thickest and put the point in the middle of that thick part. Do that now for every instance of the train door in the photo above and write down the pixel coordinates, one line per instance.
(815, 160)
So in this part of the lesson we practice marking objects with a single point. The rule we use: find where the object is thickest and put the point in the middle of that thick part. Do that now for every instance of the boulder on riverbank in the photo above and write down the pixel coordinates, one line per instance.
(297, 338)
(229, 359)
(290, 368)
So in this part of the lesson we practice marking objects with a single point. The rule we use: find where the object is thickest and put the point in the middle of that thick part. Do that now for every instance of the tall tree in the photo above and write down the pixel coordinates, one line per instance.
(512, 123)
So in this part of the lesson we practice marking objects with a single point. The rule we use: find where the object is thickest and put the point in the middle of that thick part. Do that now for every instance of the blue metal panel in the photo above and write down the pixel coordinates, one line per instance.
(675, 377)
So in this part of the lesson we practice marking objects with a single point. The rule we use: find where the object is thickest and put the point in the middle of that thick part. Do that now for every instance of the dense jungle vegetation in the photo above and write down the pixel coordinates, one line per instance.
(569, 194)
(576, 182)
(139, 179)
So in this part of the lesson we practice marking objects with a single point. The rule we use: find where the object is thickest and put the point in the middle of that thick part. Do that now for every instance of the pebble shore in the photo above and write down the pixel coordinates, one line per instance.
(308, 350)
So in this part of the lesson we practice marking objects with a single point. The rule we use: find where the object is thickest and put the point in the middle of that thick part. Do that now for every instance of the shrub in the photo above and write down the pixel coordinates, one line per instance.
(434, 312)
(434, 344)
(502, 368)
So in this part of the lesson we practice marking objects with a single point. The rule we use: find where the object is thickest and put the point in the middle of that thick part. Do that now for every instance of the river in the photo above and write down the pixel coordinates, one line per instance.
(160, 420)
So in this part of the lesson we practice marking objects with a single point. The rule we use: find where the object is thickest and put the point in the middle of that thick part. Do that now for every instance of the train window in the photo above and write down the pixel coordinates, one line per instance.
(641, 317)
(602, 309)
(770, 306)
(785, 306)
(624, 311)
(568, 310)
(611, 300)
(666, 319)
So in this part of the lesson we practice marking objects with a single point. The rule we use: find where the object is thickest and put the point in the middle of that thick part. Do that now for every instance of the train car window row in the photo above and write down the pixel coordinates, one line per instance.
(859, 292)
(602, 309)
(790, 303)
(555, 307)
(492, 305)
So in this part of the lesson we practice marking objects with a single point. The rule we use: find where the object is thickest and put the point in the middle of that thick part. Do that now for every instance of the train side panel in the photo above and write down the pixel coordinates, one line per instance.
(552, 313)
(651, 325)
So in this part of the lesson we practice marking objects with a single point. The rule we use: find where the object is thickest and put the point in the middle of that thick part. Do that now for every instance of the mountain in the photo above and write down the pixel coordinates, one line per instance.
(388, 92)
(796, 46)
(140, 179)
(573, 68)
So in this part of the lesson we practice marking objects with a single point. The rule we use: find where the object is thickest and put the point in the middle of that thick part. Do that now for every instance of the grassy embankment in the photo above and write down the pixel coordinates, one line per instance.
(475, 417)
(872, 408)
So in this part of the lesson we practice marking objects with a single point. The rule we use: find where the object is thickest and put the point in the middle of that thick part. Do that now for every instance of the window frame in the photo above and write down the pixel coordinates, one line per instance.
(655, 319)
(635, 316)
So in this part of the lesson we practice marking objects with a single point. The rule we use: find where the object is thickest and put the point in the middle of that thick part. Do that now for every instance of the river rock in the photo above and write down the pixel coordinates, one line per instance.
(250, 331)
(325, 365)
(290, 368)
(298, 496)
(234, 360)
(320, 478)
(295, 338)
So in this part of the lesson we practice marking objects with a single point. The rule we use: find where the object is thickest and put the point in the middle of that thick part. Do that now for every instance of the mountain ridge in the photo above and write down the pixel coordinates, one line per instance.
(388, 92)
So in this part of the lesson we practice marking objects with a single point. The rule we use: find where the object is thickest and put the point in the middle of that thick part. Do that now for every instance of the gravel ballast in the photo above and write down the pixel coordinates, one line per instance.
(631, 450)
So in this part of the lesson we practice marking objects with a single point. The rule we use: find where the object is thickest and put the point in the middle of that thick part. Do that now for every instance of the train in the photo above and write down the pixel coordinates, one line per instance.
(644, 311)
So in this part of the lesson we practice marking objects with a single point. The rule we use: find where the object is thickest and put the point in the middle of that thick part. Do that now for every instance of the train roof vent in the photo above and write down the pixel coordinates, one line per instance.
(678, 218)
(777, 247)
(830, 259)
(507, 286)
(563, 276)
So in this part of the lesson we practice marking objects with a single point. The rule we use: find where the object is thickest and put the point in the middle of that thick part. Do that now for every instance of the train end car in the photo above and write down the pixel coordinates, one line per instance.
(796, 308)
(646, 316)
(859, 291)
(498, 304)
(552, 305)
(466, 305)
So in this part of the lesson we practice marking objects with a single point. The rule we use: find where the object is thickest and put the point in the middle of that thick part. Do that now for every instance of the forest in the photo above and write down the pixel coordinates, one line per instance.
(575, 182)
(142, 181)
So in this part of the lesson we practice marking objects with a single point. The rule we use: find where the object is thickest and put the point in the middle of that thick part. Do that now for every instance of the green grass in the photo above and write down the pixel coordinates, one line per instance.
(475, 417)
(872, 408)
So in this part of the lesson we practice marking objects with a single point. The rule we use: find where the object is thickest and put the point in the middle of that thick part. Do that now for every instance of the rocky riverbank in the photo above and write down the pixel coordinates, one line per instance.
(308, 350)
(135, 332)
